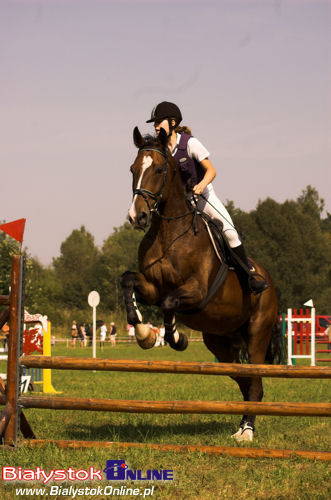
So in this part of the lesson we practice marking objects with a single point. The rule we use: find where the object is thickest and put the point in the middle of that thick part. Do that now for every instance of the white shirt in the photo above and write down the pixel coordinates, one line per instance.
(103, 331)
(195, 149)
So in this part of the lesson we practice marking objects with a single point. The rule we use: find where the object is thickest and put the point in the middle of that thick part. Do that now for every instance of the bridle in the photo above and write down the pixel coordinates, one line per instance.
(145, 193)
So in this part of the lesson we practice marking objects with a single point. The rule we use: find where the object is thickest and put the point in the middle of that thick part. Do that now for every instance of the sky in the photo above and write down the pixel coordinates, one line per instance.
(251, 77)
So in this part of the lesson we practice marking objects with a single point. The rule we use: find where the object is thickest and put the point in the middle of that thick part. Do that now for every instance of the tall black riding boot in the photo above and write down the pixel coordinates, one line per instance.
(254, 285)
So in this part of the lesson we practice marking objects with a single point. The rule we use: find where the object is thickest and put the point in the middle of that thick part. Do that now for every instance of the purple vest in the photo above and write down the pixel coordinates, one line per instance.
(191, 171)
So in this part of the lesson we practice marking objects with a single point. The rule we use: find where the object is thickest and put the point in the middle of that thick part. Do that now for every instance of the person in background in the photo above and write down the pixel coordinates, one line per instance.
(131, 333)
(162, 332)
(82, 335)
(103, 333)
(74, 334)
(328, 336)
(5, 332)
(113, 333)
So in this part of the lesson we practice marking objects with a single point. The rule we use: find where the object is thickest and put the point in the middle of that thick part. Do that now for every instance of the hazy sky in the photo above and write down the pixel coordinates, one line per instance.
(252, 79)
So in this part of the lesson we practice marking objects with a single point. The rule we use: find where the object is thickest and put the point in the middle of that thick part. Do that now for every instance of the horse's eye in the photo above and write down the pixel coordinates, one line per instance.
(159, 170)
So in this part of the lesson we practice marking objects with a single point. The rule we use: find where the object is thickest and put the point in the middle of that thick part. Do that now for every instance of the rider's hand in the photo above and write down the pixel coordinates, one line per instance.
(199, 188)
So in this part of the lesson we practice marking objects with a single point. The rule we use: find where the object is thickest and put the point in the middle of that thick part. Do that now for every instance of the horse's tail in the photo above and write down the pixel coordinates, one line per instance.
(276, 349)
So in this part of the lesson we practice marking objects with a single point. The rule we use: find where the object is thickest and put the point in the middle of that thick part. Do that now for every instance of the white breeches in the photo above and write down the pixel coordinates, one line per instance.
(215, 208)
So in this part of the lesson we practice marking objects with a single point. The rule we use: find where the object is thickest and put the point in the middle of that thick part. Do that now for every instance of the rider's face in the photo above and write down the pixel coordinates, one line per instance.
(161, 124)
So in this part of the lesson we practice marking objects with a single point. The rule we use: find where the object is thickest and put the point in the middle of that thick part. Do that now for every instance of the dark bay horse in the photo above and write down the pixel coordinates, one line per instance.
(177, 266)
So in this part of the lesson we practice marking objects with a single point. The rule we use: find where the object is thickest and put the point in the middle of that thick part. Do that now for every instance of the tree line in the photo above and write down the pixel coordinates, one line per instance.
(291, 239)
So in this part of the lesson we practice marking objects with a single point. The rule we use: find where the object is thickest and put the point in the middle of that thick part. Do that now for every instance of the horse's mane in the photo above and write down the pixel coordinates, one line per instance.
(150, 140)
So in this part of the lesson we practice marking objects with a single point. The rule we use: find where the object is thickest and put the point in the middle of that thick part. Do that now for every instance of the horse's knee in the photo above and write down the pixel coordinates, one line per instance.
(170, 303)
(127, 279)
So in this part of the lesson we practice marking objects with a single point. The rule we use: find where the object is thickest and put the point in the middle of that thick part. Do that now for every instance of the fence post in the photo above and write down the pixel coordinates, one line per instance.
(313, 336)
(289, 337)
(15, 346)
(47, 374)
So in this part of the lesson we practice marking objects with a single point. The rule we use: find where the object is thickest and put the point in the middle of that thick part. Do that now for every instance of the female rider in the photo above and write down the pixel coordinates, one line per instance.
(197, 173)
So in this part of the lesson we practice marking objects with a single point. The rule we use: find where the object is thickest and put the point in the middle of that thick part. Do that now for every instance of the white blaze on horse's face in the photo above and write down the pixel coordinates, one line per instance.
(146, 163)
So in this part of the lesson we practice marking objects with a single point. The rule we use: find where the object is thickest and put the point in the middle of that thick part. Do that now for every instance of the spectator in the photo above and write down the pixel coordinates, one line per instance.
(131, 333)
(162, 332)
(82, 335)
(103, 333)
(328, 334)
(74, 334)
(5, 331)
(113, 333)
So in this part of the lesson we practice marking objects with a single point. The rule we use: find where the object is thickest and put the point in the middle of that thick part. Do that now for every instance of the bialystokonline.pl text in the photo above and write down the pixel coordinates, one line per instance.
(74, 492)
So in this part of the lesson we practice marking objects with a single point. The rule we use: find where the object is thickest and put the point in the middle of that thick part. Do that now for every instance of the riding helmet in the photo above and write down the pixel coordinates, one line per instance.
(165, 110)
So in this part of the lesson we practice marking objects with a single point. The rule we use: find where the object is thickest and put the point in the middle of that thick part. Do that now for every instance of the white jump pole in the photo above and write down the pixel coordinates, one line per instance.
(313, 336)
(289, 336)
(94, 300)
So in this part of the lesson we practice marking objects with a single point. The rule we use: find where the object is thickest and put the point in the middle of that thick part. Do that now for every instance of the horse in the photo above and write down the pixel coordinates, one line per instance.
(177, 265)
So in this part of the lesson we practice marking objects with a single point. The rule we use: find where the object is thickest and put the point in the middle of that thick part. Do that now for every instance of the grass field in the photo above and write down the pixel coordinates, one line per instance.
(196, 475)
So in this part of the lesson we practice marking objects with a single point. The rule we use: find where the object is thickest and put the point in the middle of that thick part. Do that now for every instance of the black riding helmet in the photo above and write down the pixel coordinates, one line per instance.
(165, 110)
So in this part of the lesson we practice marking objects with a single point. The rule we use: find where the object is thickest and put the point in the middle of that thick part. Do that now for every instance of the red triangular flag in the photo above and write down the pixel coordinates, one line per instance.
(15, 229)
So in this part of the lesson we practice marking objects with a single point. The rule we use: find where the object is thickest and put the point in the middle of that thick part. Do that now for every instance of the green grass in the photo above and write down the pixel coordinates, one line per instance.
(196, 475)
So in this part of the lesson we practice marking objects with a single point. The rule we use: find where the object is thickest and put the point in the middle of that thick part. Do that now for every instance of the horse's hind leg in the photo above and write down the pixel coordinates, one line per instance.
(251, 387)
(227, 349)
(258, 338)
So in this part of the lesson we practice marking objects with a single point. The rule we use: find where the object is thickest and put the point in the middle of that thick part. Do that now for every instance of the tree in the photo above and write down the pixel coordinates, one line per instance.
(311, 203)
(288, 240)
(8, 248)
(119, 254)
(43, 290)
(75, 268)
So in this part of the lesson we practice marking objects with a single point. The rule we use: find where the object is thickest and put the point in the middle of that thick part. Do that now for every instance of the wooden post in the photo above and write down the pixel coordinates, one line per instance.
(14, 346)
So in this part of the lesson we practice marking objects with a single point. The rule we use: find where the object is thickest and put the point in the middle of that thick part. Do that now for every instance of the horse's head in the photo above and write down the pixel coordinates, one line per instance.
(150, 176)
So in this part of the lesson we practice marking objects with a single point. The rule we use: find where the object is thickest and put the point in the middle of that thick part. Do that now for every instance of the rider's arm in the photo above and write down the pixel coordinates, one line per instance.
(208, 177)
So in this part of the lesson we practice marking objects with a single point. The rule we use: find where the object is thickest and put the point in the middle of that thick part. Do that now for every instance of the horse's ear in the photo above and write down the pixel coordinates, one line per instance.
(163, 137)
(138, 138)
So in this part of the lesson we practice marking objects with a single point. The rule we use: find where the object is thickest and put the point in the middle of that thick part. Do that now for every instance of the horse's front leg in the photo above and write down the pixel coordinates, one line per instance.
(186, 297)
(136, 282)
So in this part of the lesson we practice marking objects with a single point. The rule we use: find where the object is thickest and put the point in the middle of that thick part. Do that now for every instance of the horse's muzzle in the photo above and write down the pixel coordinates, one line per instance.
(141, 221)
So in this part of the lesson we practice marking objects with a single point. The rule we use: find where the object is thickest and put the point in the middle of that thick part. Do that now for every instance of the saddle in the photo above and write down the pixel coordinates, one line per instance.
(221, 246)
(228, 260)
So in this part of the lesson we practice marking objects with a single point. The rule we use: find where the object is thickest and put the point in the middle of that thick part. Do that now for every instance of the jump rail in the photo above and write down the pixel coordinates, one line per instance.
(184, 367)
(172, 407)
(13, 418)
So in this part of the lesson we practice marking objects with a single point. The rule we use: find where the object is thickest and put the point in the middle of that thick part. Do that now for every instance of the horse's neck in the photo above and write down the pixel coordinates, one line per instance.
(176, 203)
(176, 217)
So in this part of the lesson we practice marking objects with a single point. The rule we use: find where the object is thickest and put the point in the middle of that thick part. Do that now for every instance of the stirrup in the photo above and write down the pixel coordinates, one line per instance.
(257, 286)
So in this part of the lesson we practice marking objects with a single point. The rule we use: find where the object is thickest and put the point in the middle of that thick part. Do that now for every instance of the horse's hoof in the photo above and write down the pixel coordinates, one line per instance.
(244, 434)
(237, 434)
(182, 343)
(145, 336)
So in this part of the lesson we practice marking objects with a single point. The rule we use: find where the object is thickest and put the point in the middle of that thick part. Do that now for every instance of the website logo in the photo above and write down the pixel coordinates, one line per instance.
(118, 470)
